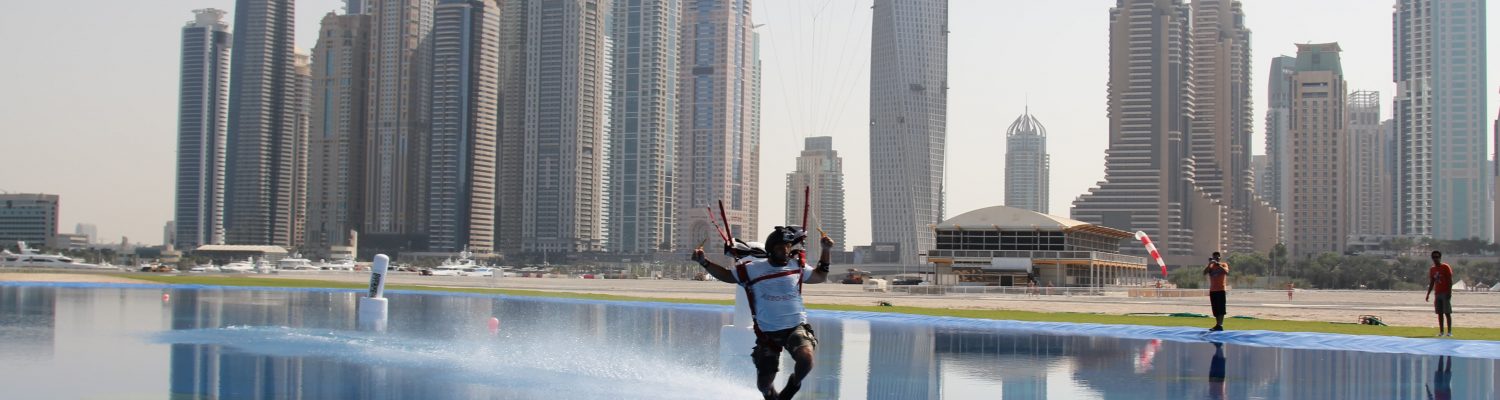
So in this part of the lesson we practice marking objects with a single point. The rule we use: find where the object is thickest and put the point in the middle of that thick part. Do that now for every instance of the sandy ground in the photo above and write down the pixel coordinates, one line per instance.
(1395, 308)
(63, 277)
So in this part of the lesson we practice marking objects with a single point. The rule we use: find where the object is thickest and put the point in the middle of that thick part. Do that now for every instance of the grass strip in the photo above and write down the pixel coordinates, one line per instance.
(1014, 315)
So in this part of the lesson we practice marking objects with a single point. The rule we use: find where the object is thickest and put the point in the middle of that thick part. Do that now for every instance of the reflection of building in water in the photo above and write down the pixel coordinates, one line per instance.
(904, 358)
(27, 321)
(1347, 375)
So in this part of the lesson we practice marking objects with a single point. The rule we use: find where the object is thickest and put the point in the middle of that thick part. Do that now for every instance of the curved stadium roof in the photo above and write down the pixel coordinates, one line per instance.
(1010, 218)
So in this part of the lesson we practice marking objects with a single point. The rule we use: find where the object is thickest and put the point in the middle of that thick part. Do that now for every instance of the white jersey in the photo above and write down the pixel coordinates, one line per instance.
(775, 293)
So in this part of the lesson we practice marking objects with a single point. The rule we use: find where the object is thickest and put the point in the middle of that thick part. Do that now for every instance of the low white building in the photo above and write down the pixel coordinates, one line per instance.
(1005, 246)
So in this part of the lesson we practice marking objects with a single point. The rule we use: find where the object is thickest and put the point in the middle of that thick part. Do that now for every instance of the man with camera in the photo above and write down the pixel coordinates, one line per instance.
(1218, 273)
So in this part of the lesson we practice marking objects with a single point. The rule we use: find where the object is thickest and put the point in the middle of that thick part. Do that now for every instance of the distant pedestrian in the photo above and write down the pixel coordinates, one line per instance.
(1289, 288)
(1440, 277)
(1218, 273)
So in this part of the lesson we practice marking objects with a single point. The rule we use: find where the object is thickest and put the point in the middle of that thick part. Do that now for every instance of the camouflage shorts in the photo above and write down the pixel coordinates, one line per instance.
(768, 345)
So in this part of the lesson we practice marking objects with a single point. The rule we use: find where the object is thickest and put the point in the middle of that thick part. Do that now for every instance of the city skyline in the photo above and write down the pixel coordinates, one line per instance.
(94, 190)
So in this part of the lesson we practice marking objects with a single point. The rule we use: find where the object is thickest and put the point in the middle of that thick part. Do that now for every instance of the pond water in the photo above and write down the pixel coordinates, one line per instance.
(82, 341)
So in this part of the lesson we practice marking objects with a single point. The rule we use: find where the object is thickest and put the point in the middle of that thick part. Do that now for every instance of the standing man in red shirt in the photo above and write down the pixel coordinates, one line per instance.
(1440, 276)
(1218, 273)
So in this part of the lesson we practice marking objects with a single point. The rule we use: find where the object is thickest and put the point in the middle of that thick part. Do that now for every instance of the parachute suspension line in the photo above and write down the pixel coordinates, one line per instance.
(781, 78)
(828, 122)
(838, 102)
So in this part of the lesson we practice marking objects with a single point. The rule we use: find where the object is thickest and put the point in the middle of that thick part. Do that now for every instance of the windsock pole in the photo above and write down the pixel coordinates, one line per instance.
(1151, 248)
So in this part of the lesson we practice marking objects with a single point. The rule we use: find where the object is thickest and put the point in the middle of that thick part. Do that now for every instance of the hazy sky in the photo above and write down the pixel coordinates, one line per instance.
(88, 99)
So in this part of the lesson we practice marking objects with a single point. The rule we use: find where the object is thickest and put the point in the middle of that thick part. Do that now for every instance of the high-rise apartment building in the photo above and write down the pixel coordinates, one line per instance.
(908, 123)
(643, 125)
(1372, 167)
(355, 7)
(261, 153)
(1260, 165)
(1319, 180)
(397, 118)
(302, 123)
(1222, 124)
(1149, 183)
(1440, 105)
(465, 114)
(1278, 127)
(30, 218)
(202, 130)
(336, 142)
(819, 172)
(510, 143)
(1028, 167)
(1495, 187)
(719, 119)
(567, 59)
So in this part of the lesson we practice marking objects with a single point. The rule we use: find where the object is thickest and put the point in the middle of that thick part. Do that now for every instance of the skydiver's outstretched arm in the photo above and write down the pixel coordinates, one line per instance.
(718, 272)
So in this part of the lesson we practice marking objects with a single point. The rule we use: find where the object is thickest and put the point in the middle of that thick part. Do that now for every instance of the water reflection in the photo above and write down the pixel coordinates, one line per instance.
(1216, 387)
(1442, 379)
(282, 344)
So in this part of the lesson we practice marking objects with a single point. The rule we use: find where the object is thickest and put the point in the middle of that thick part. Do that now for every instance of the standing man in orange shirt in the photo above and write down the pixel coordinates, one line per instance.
(1440, 276)
(1218, 273)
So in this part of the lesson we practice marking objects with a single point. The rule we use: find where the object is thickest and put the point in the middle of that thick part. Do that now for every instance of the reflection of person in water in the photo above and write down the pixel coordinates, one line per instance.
(1442, 379)
(1216, 385)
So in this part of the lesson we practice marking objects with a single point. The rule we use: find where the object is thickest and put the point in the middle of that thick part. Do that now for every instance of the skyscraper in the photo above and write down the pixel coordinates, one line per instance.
(1495, 188)
(302, 123)
(821, 172)
(1222, 124)
(1319, 137)
(1260, 164)
(336, 167)
(1149, 181)
(719, 119)
(262, 140)
(1278, 127)
(1028, 167)
(510, 144)
(1372, 172)
(1440, 108)
(908, 123)
(643, 127)
(354, 7)
(202, 125)
(465, 110)
(397, 118)
(567, 60)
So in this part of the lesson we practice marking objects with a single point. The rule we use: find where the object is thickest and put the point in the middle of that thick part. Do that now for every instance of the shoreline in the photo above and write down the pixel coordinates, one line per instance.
(1078, 309)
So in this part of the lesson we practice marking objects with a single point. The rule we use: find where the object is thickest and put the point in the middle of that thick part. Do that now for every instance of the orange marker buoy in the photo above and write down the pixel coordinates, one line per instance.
(494, 325)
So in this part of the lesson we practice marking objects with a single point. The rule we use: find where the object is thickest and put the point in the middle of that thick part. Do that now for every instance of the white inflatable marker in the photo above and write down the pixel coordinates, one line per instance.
(374, 310)
(377, 275)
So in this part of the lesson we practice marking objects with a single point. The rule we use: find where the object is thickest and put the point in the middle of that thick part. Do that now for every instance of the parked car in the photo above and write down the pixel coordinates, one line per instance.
(479, 271)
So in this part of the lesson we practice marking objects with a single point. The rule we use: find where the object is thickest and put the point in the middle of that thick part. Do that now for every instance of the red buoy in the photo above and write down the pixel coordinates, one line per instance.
(494, 325)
